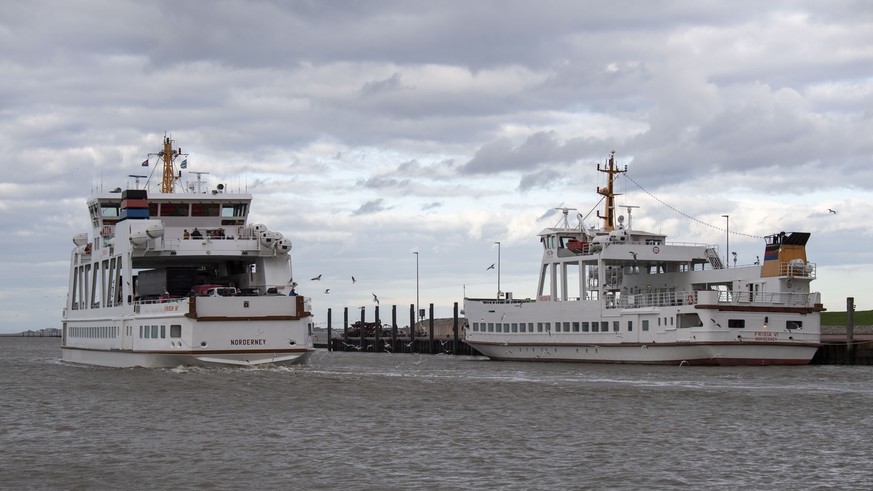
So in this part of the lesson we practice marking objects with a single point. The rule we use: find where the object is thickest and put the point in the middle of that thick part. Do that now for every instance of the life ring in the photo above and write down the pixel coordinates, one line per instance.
(690, 299)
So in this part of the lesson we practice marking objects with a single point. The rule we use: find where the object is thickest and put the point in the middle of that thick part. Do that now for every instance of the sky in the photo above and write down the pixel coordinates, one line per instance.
(368, 131)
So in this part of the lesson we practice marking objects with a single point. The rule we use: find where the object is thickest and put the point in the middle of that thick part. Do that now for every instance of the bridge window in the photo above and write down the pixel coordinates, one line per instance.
(233, 210)
(793, 324)
(204, 209)
(645, 324)
(737, 323)
(175, 331)
(174, 209)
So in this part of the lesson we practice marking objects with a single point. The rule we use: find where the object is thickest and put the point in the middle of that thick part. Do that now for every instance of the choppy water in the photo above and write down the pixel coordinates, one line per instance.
(390, 421)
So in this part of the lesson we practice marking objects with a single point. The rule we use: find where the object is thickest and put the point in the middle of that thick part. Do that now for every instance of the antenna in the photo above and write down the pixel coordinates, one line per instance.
(629, 209)
(566, 220)
(198, 183)
(137, 179)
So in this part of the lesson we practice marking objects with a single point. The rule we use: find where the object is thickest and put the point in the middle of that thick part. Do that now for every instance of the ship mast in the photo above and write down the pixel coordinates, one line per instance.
(169, 176)
(168, 156)
(608, 193)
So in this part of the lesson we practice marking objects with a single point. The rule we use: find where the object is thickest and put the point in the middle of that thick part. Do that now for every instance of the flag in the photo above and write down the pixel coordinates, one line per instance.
(184, 164)
(145, 163)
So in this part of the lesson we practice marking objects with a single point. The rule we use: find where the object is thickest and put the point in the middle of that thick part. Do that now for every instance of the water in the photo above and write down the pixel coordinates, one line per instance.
(390, 421)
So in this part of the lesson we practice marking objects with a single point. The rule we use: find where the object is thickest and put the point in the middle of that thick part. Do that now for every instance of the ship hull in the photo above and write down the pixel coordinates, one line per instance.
(169, 359)
(733, 354)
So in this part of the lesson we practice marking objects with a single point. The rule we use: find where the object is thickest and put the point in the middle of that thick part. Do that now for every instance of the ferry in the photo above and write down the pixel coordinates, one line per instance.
(618, 295)
(177, 276)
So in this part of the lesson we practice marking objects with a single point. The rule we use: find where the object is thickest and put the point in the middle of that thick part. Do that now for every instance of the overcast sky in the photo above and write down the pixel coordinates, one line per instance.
(370, 130)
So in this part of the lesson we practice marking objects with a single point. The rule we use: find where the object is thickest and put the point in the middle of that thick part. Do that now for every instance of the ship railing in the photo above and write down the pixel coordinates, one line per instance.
(671, 299)
(768, 298)
(797, 269)
(650, 300)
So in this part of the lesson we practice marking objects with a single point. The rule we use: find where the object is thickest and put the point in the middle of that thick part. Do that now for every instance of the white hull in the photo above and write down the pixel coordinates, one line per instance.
(128, 359)
(678, 354)
(190, 332)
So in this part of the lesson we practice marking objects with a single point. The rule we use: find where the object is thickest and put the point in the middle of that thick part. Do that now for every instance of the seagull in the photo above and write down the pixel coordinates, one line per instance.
(832, 211)
(326, 291)
(353, 279)
(376, 299)
(490, 267)
(634, 254)
(317, 278)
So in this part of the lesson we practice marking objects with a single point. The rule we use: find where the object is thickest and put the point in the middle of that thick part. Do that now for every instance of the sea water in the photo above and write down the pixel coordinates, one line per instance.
(401, 421)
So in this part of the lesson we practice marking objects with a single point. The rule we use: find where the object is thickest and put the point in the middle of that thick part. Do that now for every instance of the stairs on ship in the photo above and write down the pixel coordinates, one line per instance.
(714, 258)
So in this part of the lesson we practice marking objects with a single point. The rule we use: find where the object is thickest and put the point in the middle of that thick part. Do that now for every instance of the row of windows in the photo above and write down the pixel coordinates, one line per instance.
(155, 331)
(93, 332)
(228, 210)
(601, 326)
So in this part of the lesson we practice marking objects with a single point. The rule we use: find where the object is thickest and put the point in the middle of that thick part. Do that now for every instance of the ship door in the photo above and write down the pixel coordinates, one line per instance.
(126, 336)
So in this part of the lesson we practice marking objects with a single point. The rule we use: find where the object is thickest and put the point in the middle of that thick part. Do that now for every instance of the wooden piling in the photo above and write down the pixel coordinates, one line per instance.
(850, 331)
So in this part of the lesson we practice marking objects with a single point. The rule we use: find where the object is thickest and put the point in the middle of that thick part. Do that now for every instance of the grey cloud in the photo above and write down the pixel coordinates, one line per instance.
(371, 207)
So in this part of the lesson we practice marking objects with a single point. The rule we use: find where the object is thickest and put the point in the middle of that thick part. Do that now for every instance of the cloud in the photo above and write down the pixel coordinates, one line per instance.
(371, 207)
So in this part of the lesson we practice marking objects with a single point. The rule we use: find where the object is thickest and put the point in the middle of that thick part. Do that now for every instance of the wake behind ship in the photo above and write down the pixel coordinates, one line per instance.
(170, 278)
(619, 295)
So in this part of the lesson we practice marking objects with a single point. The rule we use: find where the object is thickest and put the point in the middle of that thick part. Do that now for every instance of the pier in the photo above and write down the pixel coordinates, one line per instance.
(425, 335)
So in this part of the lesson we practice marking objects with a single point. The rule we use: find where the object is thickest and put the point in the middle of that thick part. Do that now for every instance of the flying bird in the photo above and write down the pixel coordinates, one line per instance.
(327, 290)
(317, 278)
(376, 299)
(634, 254)
(832, 211)
(490, 267)
(353, 279)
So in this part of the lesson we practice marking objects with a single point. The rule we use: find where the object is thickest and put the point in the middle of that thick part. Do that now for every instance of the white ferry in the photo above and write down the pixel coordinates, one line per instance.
(619, 295)
(180, 278)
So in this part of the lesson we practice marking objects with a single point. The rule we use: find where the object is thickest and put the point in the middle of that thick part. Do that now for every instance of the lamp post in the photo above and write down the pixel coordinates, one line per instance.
(417, 310)
(727, 239)
(498, 270)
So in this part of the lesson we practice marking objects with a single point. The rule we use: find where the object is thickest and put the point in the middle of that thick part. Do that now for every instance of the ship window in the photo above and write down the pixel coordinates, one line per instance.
(109, 210)
(233, 210)
(204, 209)
(793, 324)
(575, 327)
(548, 327)
(737, 323)
(566, 327)
(595, 327)
(604, 326)
(630, 326)
(155, 332)
(585, 327)
(174, 209)
(645, 325)
(615, 325)
(530, 327)
(514, 327)
(522, 327)
(539, 327)
(490, 327)
(475, 326)
(163, 332)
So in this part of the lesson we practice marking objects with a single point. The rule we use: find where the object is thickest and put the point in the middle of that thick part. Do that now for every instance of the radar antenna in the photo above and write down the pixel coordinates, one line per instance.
(196, 185)
(137, 179)
(566, 220)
